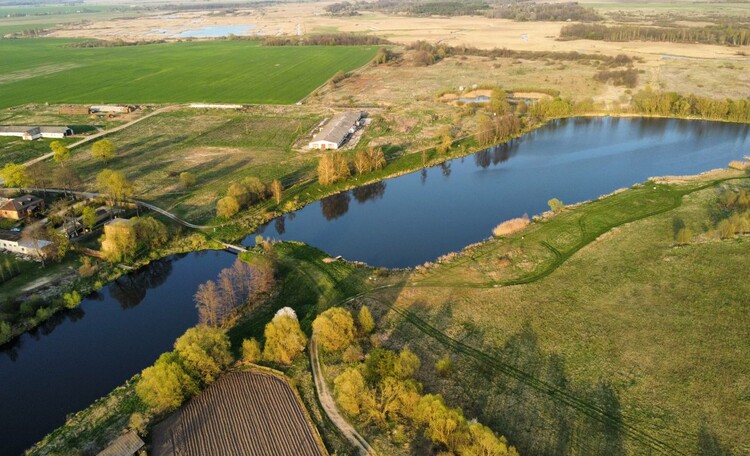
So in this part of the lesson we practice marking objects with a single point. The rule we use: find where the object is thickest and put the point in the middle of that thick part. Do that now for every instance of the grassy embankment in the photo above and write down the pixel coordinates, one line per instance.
(211, 71)
(578, 347)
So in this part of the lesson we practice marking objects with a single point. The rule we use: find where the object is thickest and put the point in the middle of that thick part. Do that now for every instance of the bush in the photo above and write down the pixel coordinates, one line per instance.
(334, 329)
(556, 205)
(444, 366)
(227, 207)
(511, 226)
(251, 352)
(72, 299)
(684, 236)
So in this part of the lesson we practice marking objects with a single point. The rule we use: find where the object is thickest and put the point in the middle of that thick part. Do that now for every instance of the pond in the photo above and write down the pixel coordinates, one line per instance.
(412, 219)
(208, 31)
(81, 355)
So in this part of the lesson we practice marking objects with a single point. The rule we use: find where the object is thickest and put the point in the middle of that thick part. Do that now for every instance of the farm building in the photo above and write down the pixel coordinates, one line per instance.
(127, 444)
(216, 106)
(115, 109)
(243, 414)
(28, 133)
(12, 241)
(20, 207)
(337, 130)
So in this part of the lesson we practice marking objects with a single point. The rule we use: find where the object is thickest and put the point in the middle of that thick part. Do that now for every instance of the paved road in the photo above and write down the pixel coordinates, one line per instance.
(329, 406)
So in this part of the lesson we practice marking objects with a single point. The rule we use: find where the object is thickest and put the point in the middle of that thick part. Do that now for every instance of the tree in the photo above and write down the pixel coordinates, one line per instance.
(72, 299)
(240, 193)
(556, 205)
(149, 232)
(362, 162)
(444, 425)
(14, 175)
(276, 190)
(256, 189)
(227, 207)
(187, 180)
(119, 242)
(67, 178)
(251, 352)
(104, 150)
(499, 102)
(333, 168)
(377, 158)
(40, 175)
(334, 329)
(366, 322)
(352, 354)
(60, 153)
(204, 352)
(35, 233)
(88, 217)
(165, 385)
(684, 236)
(284, 337)
(59, 245)
(407, 364)
(115, 186)
(445, 139)
(209, 303)
(349, 389)
(482, 441)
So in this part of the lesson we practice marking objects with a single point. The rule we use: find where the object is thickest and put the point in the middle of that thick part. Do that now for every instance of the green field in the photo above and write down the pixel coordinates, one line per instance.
(45, 70)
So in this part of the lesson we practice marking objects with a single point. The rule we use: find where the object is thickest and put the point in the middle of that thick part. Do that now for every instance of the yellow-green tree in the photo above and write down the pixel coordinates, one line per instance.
(334, 329)
(349, 389)
(119, 242)
(88, 217)
(204, 352)
(366, 322)
(482, 441)
(251, 352)
(165, 385)
(14, 175)
(406, 364)
(227, 207)
(555, 204)
(187, 179)
(60, 153)
(277, 190)
(115, 186)
(104, 150)
(444, 425)
(284, 338)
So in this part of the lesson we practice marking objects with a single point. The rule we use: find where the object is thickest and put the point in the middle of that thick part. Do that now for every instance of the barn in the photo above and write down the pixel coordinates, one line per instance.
(29, 133)
(337, 130)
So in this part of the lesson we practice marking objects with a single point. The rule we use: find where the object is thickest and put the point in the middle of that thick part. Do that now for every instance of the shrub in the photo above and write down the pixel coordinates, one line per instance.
(511, 226)
(684, 236)
(444, 366)
(352, 354)
(72, 299)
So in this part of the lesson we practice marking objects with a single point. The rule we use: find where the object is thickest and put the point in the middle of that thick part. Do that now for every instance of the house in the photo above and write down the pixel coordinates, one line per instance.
(30, 133)
(12, 241)
(127, 444)
(337, 130)
(120, 109)
(20, 207)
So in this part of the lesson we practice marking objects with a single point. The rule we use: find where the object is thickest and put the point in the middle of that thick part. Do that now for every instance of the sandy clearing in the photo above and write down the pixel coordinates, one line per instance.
(42, 70)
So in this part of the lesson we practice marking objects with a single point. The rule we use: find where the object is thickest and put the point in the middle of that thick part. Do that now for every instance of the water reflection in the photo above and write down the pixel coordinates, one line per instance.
(369, 192)
(130, 289)
(280, 224)
(335, 206)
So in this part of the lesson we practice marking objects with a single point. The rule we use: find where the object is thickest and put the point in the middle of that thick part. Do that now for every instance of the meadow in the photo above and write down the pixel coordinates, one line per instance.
(48, 70)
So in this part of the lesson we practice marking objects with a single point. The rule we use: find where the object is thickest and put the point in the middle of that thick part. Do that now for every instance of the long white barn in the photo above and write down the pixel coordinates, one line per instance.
(28, 133)
(336, 131)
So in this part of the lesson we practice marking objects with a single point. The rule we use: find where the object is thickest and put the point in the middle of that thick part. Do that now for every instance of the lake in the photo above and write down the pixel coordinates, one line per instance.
(413, 219)
(81, 355)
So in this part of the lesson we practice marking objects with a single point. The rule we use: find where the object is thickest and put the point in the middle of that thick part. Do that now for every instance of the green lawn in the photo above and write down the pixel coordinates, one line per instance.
(45, 70)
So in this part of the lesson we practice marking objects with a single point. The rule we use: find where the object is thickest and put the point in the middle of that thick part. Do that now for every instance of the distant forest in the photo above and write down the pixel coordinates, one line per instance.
(723, 35)
(517, 11)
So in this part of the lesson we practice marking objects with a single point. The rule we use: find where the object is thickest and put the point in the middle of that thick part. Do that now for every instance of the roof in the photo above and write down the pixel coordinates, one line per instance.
(29, 129)
(19, 203)
(338, 127)
(54, 129)
(15, 128)
(124, 445)
(13, 236)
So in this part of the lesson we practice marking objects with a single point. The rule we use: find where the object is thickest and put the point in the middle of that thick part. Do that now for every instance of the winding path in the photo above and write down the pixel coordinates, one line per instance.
(329, 406)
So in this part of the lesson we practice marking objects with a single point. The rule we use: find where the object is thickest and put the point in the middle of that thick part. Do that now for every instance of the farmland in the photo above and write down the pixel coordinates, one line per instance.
(47, 70)
(250, 413)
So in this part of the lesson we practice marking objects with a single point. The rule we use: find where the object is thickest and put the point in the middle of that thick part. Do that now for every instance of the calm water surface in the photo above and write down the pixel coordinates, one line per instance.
(66, 365)
(84, 354)
(408, 220)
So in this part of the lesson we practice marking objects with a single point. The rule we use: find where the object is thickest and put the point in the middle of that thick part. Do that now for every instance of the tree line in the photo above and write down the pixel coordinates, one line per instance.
(245, 193)
(325, 39)
(334, 167)
(571, 11)
(711, 34)
(651, 102)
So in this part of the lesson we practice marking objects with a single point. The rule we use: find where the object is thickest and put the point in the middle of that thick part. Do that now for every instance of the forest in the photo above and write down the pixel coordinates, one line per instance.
(545, 12)
(713, 34)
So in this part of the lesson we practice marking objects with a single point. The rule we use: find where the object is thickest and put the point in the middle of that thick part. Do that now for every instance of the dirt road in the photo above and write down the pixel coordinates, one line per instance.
(326, 400)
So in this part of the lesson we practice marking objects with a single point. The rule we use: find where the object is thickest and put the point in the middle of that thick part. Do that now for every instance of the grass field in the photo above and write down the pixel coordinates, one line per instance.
(45, 70)
(618, 342)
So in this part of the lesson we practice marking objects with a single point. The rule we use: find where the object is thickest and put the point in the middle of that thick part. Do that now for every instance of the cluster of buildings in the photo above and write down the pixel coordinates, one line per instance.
(338, 130)
(30, 133)
(17, 209)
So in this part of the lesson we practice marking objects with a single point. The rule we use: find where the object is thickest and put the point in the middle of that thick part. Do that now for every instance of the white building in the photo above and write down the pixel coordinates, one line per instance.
(216, 106)
(336, 131)
(28, 133)
(11, 241)
(122, 109)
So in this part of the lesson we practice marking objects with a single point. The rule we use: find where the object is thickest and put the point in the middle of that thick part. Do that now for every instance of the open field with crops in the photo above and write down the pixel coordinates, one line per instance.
(47, 70)
(584, 335)
(242, 413)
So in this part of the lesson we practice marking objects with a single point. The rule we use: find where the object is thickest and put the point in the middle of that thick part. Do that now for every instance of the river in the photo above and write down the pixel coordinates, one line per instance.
(82, 355)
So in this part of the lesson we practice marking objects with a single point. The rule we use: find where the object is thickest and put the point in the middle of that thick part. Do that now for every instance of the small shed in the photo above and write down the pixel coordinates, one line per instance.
(127, 444)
